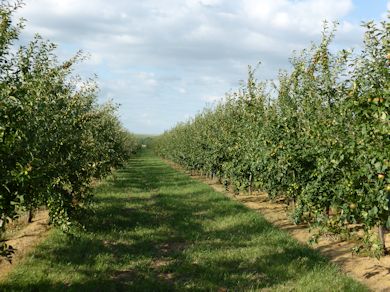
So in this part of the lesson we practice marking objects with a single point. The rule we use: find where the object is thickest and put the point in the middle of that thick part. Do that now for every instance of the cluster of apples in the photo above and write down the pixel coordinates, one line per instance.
(376, 99)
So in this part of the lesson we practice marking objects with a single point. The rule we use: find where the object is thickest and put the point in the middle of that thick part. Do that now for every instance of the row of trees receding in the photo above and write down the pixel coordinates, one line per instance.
(319, 137)
(54, 137)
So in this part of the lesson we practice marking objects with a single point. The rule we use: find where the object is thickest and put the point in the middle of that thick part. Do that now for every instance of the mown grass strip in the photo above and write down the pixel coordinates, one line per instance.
(155, 229)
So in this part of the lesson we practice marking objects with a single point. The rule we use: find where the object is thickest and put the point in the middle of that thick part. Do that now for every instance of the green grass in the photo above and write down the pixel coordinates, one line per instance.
(155, 229)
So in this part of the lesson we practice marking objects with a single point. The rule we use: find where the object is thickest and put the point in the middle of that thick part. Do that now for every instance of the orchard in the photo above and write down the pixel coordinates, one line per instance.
(318, 138)
(54, 136)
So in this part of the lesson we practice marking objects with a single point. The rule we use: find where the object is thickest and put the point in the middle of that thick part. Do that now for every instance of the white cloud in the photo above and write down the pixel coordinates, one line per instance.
(304, 16)
(384, 15)
(154, 55)
(211, 99)
(93, 59)
(182, 90)
(146, 79)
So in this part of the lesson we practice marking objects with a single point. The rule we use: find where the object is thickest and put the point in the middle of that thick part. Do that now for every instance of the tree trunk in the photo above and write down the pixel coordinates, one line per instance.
(250, 184)
(292, 203)
(381, 233)
(30, 215)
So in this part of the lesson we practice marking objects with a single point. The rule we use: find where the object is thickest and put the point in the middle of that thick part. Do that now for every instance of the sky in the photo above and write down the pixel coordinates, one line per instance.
(163, 61)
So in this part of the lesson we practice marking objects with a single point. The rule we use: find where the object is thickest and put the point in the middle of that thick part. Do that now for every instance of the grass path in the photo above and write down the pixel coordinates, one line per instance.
(155, 229)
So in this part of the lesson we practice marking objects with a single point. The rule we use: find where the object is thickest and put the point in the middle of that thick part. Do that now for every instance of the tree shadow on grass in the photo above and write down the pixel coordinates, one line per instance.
(154, 229)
